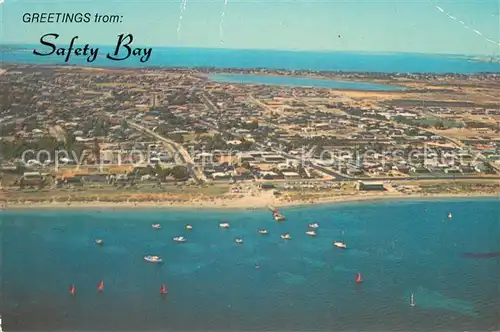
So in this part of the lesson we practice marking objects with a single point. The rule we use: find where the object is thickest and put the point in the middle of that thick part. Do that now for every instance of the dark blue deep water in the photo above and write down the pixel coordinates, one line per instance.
(271, 59)
(305, 284)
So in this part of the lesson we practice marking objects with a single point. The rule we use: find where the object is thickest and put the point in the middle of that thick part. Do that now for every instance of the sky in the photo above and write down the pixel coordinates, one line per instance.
(326, 25)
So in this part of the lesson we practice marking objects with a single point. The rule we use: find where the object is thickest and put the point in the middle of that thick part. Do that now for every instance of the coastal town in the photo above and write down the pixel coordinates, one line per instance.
(73, 135)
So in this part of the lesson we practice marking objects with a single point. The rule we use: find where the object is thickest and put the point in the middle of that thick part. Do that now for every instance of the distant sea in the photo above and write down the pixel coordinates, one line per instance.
(290, 60)
(305, 284)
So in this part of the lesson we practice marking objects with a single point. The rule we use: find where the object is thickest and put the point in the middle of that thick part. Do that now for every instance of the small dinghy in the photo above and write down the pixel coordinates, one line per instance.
(179, 239)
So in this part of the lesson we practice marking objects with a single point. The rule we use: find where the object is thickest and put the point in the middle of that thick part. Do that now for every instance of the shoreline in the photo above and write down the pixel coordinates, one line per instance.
(235, 205)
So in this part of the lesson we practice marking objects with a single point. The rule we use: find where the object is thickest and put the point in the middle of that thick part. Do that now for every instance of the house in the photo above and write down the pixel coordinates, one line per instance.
(291, 175)
(379, 186)
(265, 186)
(32, 179)
(401, 168)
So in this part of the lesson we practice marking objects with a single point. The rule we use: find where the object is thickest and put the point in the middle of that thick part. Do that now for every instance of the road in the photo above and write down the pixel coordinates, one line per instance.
(182, 157)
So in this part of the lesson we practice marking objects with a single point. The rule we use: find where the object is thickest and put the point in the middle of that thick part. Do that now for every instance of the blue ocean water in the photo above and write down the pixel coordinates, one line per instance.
(302, 81)
(272, 59)
(400, 247)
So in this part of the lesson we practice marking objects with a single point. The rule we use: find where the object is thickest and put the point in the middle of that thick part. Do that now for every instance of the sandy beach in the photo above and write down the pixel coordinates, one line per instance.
(264, 200)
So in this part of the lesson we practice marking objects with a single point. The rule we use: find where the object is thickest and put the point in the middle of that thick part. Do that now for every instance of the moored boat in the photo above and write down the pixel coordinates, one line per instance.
(311, 233)
(189, 227)
(278, 216)
(99, 242)
(239, 240)
(163, 289)
(179, 239)
(153, 259)
(100, 286)
(412, 301)
(286, 236)
(340, 244)
(156, 226)
(224, 225)
(313, 225)
(263, 231)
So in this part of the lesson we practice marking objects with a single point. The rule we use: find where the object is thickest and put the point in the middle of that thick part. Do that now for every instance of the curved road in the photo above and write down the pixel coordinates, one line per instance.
(186, 158)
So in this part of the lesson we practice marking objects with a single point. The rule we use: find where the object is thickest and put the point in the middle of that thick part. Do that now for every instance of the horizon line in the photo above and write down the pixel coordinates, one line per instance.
(283, 50)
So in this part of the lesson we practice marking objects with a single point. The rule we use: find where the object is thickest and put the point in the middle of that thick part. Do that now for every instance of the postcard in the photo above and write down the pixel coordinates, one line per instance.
(249, 165)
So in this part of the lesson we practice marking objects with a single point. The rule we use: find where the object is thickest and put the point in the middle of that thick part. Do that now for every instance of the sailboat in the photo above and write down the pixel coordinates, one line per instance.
(340, 244)
(72, 290)
(412, 301)
(163, 290)
(358, 278)
(100, 286)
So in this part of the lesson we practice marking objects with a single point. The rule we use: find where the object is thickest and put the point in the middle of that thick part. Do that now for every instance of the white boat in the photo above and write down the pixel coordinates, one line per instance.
(313, 225)
(311, 233)
(286, 236)
(340, 244)
(239, 241)
(412, 302)
(98, 242)
(156, 226)
(179, 239)
(1, 323)
(263, 231)
(449, 215)
(278, 217)
(189, 227)
(224, 225)
(153, 259)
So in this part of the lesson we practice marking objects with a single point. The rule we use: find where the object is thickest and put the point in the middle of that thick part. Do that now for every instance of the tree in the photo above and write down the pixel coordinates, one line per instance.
(439, 125)
(180, 172)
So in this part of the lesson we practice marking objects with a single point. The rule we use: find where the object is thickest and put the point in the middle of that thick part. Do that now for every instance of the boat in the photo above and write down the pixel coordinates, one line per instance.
(189, 227)
(156, 226)
(313, 225)
(239, 240)
(98, 242)
(72, 290)
(358, 278)
(163, 289)
(412, 301)
(340, 244)
(179, 239)
(224, 225)
(286, 236)
(100, 286)
(153, 259)
(311, 233)
(1, 323)
(278, 216)
(449, 215)
(263, 231)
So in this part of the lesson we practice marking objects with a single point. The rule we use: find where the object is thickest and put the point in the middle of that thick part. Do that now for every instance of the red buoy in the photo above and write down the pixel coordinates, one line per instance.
(100, 287)
(358, 278)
